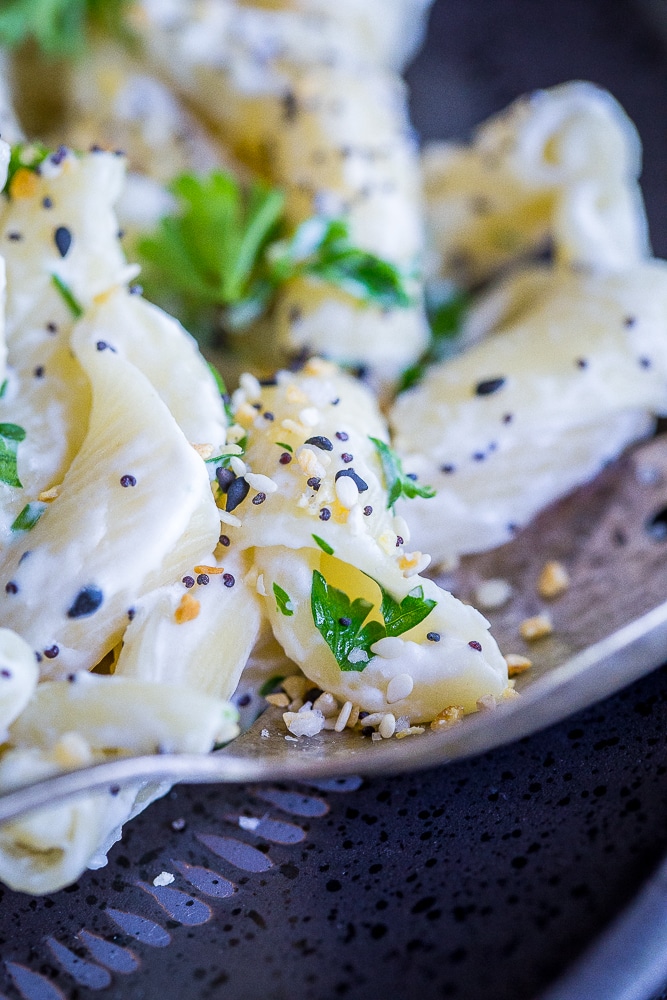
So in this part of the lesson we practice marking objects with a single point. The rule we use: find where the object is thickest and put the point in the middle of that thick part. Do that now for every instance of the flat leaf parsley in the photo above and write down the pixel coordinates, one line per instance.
(398, 483)
(58, 27)
(226, 251)
(344, 624)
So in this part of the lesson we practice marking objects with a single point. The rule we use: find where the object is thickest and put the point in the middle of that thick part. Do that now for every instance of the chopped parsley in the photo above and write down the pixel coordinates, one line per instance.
(59, 27)
(283, 601)
(3, 387)
(323, 545)
(286, 447)
(397, 482)
(11, 436)
(72, 303)
(29, 516)
(219, 261)
(445, 319)
(344, 624)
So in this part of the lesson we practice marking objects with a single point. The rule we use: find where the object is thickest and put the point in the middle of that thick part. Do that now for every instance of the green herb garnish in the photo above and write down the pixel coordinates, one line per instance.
(340, 622)
(269, 686)
(343, 623)
(3, 387)
(59, 27)
(287, 447)
(10, 437)
(24, 156)
(283, 601)
(323, 545)
(445, 319)
(72, 303)
(397, 482)
(29, 516)
(225, 253)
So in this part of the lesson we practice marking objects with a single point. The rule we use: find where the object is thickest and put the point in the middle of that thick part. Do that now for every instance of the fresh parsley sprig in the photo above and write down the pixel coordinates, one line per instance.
(11, 436)
(345, 626)
(59, 27)
(224, 254)
(398, 483)
(445, 316)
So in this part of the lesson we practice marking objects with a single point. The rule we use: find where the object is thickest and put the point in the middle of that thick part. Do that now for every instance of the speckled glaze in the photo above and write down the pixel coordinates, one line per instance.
(483, 880)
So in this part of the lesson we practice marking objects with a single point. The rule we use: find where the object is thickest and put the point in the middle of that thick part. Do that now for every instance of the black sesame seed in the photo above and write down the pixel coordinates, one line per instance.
(71, 678)
(412, 475)
(130, 614)
(86, 602)
(257, 406)
(508, 418)
(319, 441)
(11, 587)
(51, 652)
(488, 386)
(269, 416)
(203, 579)
(47, 202)
(399, 541)
(285, 458)
(644, 362)
(24, 555)
(244, 700)
(63, 240)
(236, 493)
(258, 499)
(359, 482)
(367, 730)
(228, 580)
(345, 622)
(581, 363)
(268, 381)
(433, 636)
(101, 345)
(290, 106)
(475, 645)
(336, 401)
(38, 656)
(128, 480)
(51, 327)
(14, 237)
(478, 456)
(39, 371)
(188, 581)
(342, 436)
(448, 469)
(59, 155)
(314, 483)
(136, 289)
(363, 715)
(225, 478)
(629, 321)
(5, 673)
(114, 790)
(347, 458)
(325, 514)
(224, 540)
(368, 510)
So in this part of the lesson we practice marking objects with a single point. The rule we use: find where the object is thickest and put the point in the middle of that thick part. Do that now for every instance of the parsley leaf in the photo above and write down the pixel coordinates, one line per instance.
(283, 601)
(29, 516)
(220, 260)
(445, 319)
(398, 483)
(412, 610)
(58, 27)
(10, 437)
(323, 545)
(340, 622)
(66, 292)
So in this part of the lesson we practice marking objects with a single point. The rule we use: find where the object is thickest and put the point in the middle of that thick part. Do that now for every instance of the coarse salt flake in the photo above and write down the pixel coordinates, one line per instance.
(164, 878)
(304, 723)
(249, 822)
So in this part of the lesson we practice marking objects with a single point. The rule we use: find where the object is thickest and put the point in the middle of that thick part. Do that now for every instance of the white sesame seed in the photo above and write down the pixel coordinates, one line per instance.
(309, 416)
(374, 719)
(327, 704)
(387, 727)
(399, 687)
(261, 483)
(341, 721)
(230, 519)
(493, 593)
(389, 648)
(347, 492)
(291, 739)
(238, 466)
(250, 386)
